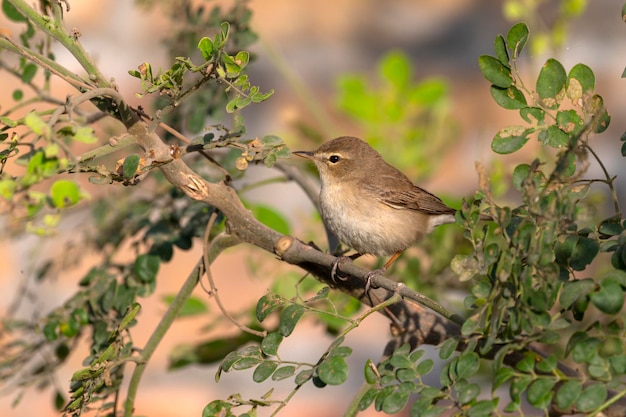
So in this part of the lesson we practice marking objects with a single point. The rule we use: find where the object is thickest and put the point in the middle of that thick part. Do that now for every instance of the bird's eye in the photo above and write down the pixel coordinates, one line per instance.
(334, 159)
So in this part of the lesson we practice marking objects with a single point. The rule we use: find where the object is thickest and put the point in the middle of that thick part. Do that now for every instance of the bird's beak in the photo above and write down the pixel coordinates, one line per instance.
(304, 154)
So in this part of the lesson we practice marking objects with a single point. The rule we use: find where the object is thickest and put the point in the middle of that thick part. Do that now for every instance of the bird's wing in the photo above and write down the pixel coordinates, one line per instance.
(415, 198)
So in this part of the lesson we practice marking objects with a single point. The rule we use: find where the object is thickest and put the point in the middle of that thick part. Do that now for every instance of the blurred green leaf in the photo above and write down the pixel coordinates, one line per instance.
(495, 71)
(64, 193)
(264, 370)
(147, 267)
(194, 306)
(333, 370)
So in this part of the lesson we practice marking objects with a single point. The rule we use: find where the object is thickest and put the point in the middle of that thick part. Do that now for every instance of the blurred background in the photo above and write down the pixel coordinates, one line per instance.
(310, 53)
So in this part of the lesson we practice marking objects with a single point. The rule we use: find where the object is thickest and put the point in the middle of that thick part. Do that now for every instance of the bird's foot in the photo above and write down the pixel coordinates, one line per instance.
(370, 275)
(335, 267)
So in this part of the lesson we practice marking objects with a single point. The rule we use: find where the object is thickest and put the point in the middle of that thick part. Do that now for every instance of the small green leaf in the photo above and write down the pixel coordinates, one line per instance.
(425, 367)
(333, 371)
(510, 98)
(12, 13)
(395, 67)
(28, 73)
(206, 48)
(591, 398)
(267, 304)
(580, 80)
(500, 48)
(7, 188)
(85, 134)
(64, 193)
(551, 81)
(468, 393)
(367, 399)
(289, 318)
(17, 95)
(533, 115)
(540, 393)
(483, 408)
(553, 137)
(303, 376)
(502, 375)
(584, 253)
(130, 166)
(264, 370)
(270, 343)
(510, 139)
(147, 267)
(495, 71)
(572, 290)
(38, 125)
(568, 393)
(467, 365)
(271, 218)
(395, 402)
(217, 408)
(610, 298)
(520, 173)
(194, 306)
(371, 375)
(516, 38)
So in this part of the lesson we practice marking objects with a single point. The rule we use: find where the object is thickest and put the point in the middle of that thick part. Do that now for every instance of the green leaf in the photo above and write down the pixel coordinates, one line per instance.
(400, 361)
(17, 96)
(64, 193)
(533, 115)
(591, 398)
(371, 375)
(267, 304)
(264, 370)
(572, 290)
(217, 408)
(85, 134)
(147, 267)
(510, 139)
(495, 71)
(206, 48)
(568, 393)
(395, 402)
(510, 98)
(131, 164)
(502, 375)
(11, 12)
(271, 218)
(29, 72)
(333, 371)
(539, 393)
(468, 393)
(500, 48)
(270, 343)
(551, 81)
(580, 80)
(396, 68)
(38, 125)
(553, 137)
(7, 188)
(303, 376)
(367, 399)
(194, 306)
(424, 367)
(289, 318)
(516, 38)
(467, 365)
(483, 408)
(584, 253)
(520, 173)
(610, 298)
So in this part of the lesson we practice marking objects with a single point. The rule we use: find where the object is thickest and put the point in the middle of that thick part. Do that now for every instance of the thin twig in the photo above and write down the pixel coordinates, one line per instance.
(212, 290)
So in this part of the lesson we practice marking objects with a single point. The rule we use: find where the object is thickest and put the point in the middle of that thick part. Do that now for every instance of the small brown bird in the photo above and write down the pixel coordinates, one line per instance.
(370, 205)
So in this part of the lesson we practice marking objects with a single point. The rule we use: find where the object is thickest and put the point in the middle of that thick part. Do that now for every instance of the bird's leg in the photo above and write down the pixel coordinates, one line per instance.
(339, 260)
(370, 274)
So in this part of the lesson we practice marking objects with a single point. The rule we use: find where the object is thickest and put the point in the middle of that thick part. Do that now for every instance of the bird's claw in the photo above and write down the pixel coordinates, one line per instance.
(370, 275)
(335, 267)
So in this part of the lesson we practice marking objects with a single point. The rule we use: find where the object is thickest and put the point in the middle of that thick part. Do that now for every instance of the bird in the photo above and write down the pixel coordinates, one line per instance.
(370, 205)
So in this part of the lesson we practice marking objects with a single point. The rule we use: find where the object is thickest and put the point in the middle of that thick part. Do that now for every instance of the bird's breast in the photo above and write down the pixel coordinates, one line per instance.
(368, 226)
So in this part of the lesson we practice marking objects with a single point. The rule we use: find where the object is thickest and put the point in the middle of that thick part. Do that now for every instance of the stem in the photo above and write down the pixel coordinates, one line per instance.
(609, 180)
(353, 407)
(69, 41)
(158, 334)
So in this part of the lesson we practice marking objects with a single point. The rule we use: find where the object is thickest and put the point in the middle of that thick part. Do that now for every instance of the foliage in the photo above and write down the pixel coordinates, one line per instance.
(541, 293)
